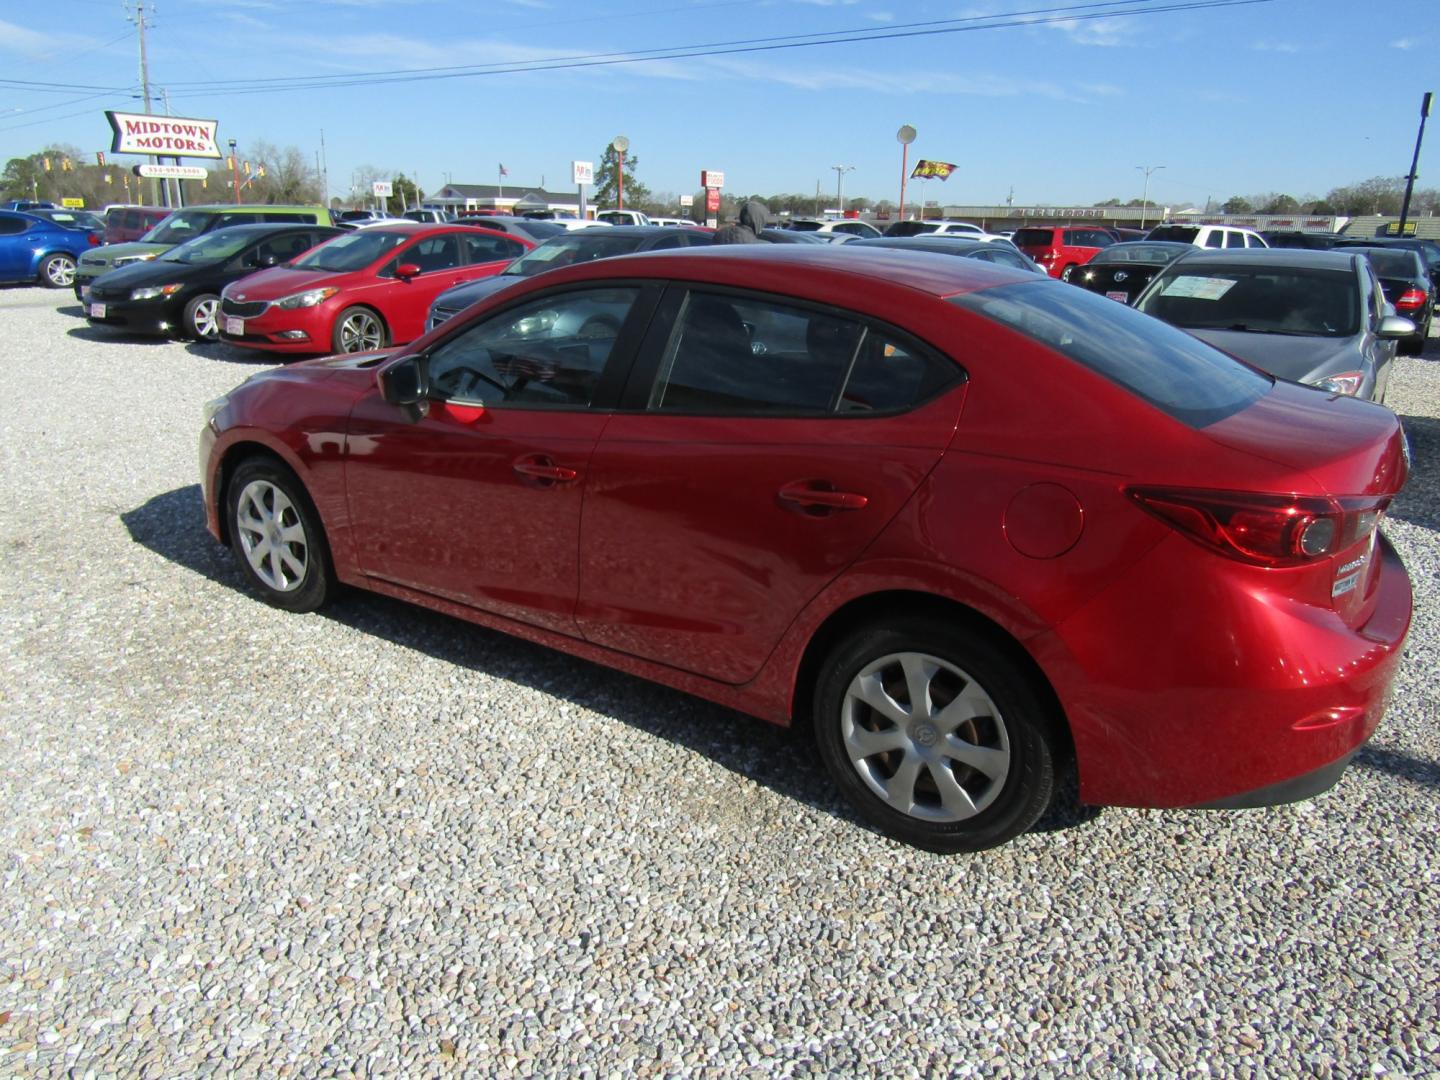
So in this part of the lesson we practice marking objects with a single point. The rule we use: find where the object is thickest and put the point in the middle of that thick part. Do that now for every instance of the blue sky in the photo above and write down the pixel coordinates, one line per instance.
(1287, 95)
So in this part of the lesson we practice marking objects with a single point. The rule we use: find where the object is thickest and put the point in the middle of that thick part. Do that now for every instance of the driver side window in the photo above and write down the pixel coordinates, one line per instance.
(548, 353)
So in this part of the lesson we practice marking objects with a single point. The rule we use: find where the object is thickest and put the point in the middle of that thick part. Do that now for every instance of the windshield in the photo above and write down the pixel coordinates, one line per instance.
(1154, 254)
(572, 248)
(1257, 299)
(211, 248)
(353, 251)
(1173, 371)
(180, 226)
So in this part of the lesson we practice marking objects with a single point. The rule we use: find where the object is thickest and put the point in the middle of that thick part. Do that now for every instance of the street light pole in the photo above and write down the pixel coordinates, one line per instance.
(840, 171)
(1414, 163)
(1145, 198)
(235, 171)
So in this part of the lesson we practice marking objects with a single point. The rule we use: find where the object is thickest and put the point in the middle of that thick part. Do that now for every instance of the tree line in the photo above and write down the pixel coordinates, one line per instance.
(1378, 195)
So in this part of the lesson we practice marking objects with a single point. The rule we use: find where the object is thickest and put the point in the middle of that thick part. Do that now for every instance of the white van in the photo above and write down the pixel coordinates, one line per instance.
(1208, 236)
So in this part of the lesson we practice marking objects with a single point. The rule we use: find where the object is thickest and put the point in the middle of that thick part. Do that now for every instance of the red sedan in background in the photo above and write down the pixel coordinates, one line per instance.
(978, 528)
(361, 291)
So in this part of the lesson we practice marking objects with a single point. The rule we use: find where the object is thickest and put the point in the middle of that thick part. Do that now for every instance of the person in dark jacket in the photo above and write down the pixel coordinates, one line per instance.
(753, 217)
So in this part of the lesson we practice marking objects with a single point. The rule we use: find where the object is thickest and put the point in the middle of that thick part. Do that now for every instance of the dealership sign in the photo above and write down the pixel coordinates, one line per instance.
(170, 136)
(583, 171)
(171, 172)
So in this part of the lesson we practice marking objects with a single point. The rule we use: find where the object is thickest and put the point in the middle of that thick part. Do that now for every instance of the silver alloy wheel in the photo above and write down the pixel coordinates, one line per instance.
(204, 318)
(360, 332)
(272, 536)
(925, 737)
(60, 271)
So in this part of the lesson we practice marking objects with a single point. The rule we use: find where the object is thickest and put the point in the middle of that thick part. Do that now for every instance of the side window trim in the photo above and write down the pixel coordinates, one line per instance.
(622, 355)
(635, 398)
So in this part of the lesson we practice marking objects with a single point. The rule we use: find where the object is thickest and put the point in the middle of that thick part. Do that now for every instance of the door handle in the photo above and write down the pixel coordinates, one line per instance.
(809, 495)
(539, 467)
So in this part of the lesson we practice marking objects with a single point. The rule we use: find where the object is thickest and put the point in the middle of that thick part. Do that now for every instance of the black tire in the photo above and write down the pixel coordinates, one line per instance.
(57, 271)
(1014, 719)
(263, 500)
(201, 321)
(343, 341)
(1067, 273)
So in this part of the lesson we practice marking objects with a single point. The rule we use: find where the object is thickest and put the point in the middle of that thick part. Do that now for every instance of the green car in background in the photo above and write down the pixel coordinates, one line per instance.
(185, 225)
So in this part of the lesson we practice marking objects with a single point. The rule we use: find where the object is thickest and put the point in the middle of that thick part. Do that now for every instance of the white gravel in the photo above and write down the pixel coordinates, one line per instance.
(380, 842)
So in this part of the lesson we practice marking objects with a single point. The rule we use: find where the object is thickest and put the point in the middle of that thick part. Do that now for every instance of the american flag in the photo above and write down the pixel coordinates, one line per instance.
(504, 171)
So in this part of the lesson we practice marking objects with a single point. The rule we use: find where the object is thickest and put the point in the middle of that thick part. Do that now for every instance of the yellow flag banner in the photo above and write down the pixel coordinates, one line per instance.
(927, 170)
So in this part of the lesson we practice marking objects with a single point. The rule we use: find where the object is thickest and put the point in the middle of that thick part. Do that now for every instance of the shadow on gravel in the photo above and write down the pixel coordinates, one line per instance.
(1406, 767)
(73, 309)
(108, 334)
(229, 354)
(1412, 505)
(173, 525)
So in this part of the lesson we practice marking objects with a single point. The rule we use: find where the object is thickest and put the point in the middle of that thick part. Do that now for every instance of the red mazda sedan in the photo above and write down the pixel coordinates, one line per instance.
(979, 529)
(361, 291)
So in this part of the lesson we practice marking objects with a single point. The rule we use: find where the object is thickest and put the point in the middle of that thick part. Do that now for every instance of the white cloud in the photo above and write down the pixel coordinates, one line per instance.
(902, 82)
(1276, 46)
(1106, 33)
(34, 43)
(880, 16)
(1405, 43)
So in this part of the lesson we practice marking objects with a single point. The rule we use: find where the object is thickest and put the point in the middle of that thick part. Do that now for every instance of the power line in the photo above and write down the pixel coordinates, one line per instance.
(1033, 17)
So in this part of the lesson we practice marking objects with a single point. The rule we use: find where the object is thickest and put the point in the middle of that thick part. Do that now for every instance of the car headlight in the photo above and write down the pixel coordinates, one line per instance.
(1347, 383)
(155, 292)
(308, 298)
(126, 260)
(213, 406)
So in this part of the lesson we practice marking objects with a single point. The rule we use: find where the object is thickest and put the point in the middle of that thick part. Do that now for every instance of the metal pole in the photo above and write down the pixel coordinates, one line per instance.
(619, 179)
(1145, 198)
(145, 87)
(1414, 162)
(235, 171)
(904, 175)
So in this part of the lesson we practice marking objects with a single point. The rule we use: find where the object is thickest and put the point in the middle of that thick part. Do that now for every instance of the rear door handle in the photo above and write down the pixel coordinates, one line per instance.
(809, 495)
(539, 467)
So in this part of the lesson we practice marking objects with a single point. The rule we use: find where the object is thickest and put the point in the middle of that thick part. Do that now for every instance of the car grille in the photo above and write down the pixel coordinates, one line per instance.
(243, 310)
(92, 260)
(108, 293)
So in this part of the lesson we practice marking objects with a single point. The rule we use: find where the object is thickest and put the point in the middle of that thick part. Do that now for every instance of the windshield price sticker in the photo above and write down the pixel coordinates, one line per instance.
(1197, 288)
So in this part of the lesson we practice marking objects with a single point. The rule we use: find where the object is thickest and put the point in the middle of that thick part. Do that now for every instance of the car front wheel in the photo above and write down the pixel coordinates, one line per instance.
(58, 271)
(202, 318)
(276, 535)
(357, 330)
(935, 735)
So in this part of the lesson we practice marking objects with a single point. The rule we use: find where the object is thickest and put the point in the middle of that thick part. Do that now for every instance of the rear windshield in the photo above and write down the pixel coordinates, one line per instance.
(1168, 368)
(1180, 234)
(1393, 262)
(1033, 237)
(1259, 299)
(1141, 252)
(911, 228)
(572, 248)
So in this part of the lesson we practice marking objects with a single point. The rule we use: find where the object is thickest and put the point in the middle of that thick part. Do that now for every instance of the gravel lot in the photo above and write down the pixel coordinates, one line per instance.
(380, 842)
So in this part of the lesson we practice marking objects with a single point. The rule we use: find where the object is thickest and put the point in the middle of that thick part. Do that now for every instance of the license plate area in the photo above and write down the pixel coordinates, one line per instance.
(234, 327)
(97, 311)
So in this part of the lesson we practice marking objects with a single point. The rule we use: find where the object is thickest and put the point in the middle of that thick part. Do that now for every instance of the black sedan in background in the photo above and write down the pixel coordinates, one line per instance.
(1407, 287)
(999, 252)
(179, 291)
(1123, 270)
(579, 246)
(1308, 316)
(1428, 250)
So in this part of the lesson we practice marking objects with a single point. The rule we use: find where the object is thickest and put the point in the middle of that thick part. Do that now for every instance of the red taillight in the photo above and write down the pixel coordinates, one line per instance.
(1410, 298)
(1266, 530)
(93, 239)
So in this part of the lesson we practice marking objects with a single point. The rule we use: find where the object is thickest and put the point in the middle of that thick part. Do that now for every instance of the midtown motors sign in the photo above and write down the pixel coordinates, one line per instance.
(171, 136)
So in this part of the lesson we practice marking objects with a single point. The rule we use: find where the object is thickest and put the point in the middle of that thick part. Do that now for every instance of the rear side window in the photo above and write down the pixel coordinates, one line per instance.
(480, 248)
(738, 356)
(1166, 367)
(1215, 239)
(12, 226)
(1235, 239)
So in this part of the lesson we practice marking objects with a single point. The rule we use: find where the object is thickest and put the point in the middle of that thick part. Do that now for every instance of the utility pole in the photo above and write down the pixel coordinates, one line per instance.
(138, 18)
(1414, 163)
(324, 171)
(840, 171)
(1145, 198)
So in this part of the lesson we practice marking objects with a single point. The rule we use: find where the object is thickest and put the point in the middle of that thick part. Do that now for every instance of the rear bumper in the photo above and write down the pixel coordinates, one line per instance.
(1296, 789)
(1241, 699)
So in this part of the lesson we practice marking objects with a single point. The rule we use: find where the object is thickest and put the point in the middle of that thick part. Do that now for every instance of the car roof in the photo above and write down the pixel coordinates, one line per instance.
(273, 227)
(927, 241)
(617, 230)
(804, 269)
(1296, 258)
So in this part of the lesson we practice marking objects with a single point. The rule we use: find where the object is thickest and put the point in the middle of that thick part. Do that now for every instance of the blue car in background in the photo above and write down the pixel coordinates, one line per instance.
(35, 249)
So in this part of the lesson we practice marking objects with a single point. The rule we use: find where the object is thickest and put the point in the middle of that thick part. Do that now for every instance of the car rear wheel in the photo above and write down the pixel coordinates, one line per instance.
(1067, 273)
(202, 318)
(358, 329)
(58, 271)
(276, 535)
(935, 735)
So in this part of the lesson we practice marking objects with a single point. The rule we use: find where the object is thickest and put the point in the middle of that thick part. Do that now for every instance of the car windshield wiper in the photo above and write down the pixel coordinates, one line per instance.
(1269, 330)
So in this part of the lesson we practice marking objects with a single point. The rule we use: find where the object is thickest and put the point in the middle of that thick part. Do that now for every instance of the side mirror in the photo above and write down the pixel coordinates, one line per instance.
(405, 382)
(406, 271)
(1393, 326)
